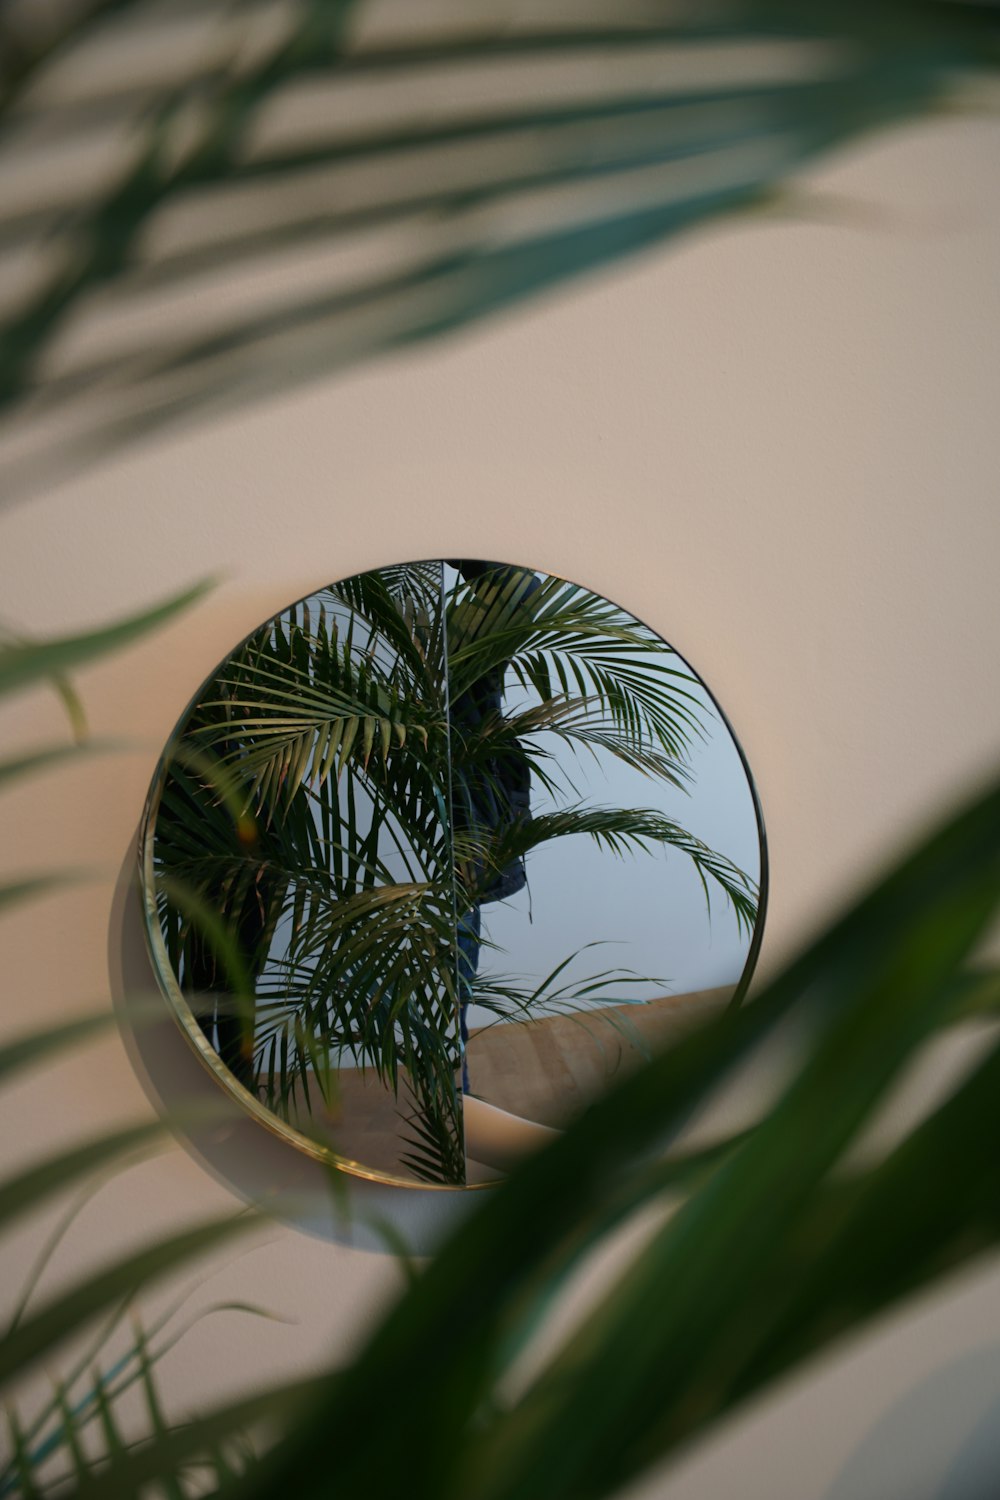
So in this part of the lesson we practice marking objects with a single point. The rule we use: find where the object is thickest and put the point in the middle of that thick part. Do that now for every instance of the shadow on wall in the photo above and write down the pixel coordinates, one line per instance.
(940, 1442)
(239, 1153)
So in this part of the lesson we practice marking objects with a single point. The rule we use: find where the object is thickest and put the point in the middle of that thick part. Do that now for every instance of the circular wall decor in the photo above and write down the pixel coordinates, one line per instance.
(439, 852)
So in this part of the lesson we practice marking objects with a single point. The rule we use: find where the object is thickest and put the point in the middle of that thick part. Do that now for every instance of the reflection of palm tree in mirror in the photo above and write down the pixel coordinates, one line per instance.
(385, 791)
(591, 679)
(348, 870)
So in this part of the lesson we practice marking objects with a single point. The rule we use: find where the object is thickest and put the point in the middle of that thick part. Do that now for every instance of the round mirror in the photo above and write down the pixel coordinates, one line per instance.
(439, 853)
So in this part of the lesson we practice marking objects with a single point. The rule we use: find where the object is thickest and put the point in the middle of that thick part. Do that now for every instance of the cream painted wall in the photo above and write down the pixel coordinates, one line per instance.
(778, 444)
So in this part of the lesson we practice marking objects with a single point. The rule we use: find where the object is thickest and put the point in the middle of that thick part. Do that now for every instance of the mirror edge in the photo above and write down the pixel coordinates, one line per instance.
(170, 989)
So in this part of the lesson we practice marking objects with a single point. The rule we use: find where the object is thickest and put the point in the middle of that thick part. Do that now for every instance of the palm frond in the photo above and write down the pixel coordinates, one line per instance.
(298, 704)
(433, 1133)
(690, 1329)
(23, 663)
(620, 831)
(65, 1421)
(44, 1330)
(232, 154)
(580, 723)
(561, 640)
(609, 991)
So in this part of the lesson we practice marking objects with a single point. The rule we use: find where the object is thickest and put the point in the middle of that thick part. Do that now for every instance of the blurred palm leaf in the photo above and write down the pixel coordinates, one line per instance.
(691, 1328)
(825, 1251)
(205, 204)
(59, 1426)
(85, 1396)
(45, 1329)
(25, 663)
(28, 764)
(779, 1246)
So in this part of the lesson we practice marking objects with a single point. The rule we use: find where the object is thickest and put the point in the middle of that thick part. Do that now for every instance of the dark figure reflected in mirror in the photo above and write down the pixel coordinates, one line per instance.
(336, 856)
(491, 794)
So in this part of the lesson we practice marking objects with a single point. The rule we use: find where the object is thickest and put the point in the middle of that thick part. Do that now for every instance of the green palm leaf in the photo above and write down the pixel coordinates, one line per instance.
(621, 831)
(38, 1046)
(582, 724)
(24, 663)
(27, 1189)
(45, 1329)
(663, 122)
(563, 641)
(730, 1287)
(30, 763)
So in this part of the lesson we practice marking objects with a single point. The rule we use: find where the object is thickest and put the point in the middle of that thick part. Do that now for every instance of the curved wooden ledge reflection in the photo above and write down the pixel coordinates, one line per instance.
(529, 1080)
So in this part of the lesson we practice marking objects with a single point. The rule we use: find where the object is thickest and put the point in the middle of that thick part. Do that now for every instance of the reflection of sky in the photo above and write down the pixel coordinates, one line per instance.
(646, 911)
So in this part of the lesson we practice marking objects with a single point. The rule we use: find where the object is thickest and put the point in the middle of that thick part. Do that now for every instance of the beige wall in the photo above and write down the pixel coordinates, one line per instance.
(779, 445)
